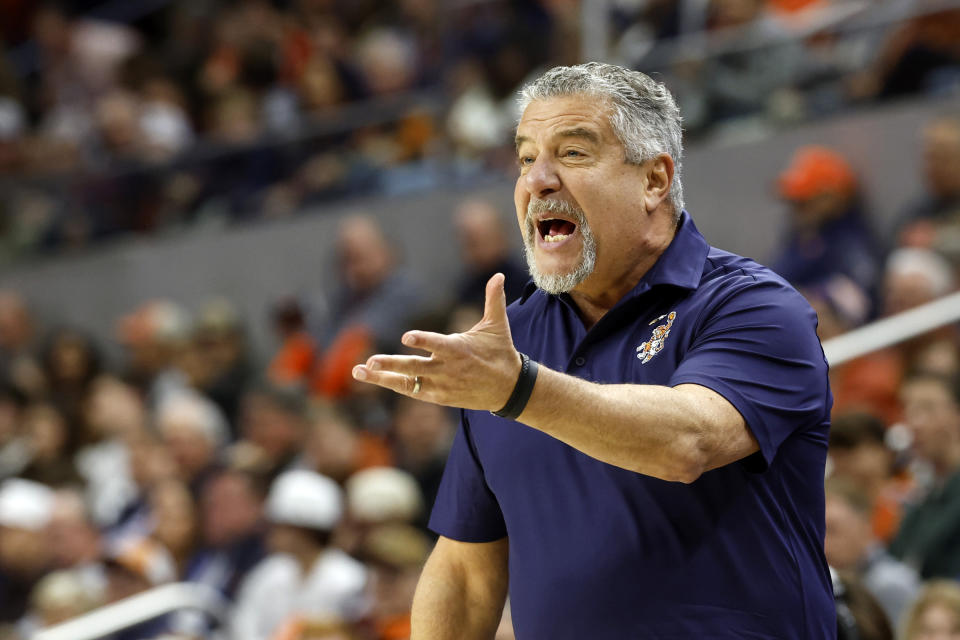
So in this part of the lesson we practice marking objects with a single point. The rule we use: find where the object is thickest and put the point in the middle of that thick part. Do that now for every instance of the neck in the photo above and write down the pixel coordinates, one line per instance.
(603, 290)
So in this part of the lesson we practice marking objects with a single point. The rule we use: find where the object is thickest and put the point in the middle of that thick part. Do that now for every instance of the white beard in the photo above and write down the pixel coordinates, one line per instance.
(559, 282)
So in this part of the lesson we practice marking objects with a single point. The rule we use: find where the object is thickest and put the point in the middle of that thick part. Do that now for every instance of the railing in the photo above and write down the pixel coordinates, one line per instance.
(140, 608)
(892, 330)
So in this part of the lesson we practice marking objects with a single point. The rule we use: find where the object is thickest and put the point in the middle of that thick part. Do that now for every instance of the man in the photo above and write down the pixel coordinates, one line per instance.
(306, 578)
(851, 546)
(669, 480)
(926, 222)
(929, 535)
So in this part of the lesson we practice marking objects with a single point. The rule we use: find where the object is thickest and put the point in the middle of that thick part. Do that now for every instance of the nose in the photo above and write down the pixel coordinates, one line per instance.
(542, 178)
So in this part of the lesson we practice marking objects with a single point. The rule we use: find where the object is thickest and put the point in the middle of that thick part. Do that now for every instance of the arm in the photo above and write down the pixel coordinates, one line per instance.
(671, 433)
(461, 591)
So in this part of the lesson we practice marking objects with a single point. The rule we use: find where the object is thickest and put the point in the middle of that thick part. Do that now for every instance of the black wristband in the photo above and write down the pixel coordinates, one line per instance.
(522, 390)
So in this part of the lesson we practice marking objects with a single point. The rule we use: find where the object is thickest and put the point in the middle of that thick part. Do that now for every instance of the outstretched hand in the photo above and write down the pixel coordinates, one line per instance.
(476, 369)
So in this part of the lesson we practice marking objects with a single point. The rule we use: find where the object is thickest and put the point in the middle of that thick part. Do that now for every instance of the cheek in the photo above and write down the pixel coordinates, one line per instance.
(521, 199)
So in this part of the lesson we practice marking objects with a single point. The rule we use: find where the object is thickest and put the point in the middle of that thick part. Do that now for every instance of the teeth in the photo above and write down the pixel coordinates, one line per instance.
(557, 238)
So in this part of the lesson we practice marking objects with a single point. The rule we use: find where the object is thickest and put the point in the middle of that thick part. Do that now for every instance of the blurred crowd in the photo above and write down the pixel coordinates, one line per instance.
(280, 484)
(137, 116)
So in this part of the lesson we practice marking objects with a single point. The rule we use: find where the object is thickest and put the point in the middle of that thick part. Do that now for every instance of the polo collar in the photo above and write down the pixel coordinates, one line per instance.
(680, 265)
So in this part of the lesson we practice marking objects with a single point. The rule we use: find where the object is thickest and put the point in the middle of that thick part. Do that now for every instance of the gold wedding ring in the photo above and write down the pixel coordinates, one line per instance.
(417, 381)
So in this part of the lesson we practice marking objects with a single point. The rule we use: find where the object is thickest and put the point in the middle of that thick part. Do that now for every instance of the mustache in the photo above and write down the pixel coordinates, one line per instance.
(537, 206)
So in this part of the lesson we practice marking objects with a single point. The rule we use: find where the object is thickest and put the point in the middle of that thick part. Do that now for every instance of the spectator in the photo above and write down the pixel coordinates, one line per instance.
(422, 435)
(936, 613)
(18, 348)
(75, 541)
(373, 305)
(486, 251)
(220, 340)
(194, 431)
(46, 434)
(911, 277)
(937, 210)
(929, 536)
(851, 546)
(71, 362)
(293, 361)
(859, 455)
(828, 237)
(336, 448)
(25, 509)
(153, 334)
(395, 554)
(231, 509)
(274, 422)
(304, 578)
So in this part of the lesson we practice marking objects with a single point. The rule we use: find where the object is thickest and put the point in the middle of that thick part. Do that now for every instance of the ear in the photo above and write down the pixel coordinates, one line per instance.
(659, 179)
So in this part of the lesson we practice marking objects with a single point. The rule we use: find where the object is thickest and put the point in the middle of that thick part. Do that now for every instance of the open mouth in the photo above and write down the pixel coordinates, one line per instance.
(555, 229)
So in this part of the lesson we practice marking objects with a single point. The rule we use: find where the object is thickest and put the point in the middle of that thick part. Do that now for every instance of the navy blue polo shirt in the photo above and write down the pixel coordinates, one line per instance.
(601, 552)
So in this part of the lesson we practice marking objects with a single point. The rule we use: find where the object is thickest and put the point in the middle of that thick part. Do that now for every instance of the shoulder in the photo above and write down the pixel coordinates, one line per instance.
(732, 279)
(275, 569)
(274, 573)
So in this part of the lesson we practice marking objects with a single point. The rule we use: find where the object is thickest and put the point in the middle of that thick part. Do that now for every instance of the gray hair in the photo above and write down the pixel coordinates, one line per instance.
(644, 115)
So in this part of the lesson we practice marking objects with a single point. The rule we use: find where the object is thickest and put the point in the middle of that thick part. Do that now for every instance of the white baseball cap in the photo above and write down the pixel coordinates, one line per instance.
(305, 499)
(25, 504)
(384, 494)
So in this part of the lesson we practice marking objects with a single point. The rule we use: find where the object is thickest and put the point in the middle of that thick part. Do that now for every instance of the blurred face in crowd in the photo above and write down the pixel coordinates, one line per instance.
(46, 432)
(365, 257)
(422, 429)
(73, 540)
(937, 622)
(23, 552)
(867, 465)
(231, 509)
(174, 517)
(114, 409)
(941, 157)
(71, 360)
(582, 209)
(16, 326)
(933, 417)
(150, 461)
(332, 447)
(275, 430)
(481, 235)
(847, 535)
(189, 447)
(902, 291)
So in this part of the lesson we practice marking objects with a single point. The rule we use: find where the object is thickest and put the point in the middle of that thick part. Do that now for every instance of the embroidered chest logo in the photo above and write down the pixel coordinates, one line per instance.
(653, 346)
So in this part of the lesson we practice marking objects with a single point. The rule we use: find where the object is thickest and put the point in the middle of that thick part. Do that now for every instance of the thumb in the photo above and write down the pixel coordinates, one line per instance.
(495, 306)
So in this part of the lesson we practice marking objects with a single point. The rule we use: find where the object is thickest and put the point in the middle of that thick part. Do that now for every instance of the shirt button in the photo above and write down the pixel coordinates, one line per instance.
(580, 361)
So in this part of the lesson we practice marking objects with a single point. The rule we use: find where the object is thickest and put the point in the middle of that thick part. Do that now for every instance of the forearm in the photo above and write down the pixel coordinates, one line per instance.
(669, 433)
(458, 602)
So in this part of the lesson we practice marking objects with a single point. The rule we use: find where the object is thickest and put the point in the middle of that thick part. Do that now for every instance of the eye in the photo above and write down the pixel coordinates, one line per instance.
(525, 160)
(572, 153)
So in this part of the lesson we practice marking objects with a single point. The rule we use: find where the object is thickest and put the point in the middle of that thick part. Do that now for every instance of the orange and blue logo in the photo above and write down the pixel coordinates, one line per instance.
(653, 346)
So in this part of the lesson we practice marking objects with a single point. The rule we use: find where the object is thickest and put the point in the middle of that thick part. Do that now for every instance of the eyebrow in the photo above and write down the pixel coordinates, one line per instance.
(577, 132)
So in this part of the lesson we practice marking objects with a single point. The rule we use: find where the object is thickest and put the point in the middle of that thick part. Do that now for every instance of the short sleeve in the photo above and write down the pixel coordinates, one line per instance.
(465, 508)
(758, 348)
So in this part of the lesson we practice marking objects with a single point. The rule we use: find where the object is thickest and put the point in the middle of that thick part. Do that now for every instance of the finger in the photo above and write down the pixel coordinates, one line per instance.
(427, 340)
(407, 365)
(387, 379)
(495, 305)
